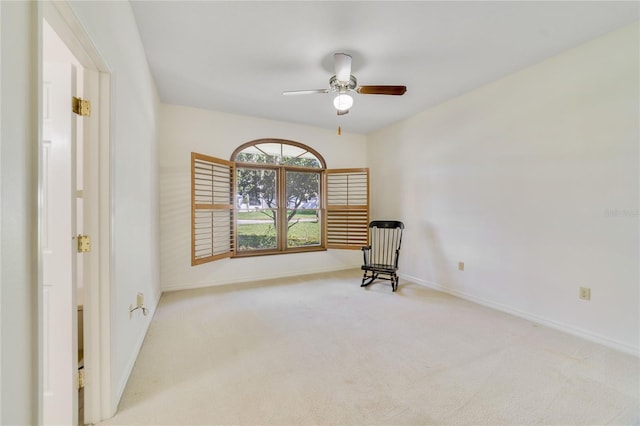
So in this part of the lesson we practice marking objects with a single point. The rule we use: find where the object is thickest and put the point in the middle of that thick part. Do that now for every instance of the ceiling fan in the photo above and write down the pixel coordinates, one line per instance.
(343, 83)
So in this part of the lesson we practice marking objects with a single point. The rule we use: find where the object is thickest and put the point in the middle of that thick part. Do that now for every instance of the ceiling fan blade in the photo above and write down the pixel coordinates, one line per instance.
(382, 90)
(343, 67)
(304, 92)
(346, 111)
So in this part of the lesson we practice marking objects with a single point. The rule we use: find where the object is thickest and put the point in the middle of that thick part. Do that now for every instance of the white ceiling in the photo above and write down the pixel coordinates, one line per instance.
(240, 56)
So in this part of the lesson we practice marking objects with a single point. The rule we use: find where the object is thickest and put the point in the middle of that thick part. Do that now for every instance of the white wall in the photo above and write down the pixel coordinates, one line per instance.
(532, 181)
(134, 194)
(135, 213)
(183, 130)
(18, 211)
(1, 386)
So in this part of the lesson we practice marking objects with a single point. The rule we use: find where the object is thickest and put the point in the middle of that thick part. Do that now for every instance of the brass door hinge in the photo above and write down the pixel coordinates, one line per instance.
(81, 107)
(84, 243)
(80, 378)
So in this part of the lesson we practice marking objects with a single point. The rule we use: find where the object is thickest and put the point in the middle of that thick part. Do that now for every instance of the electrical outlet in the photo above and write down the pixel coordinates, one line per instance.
(460, 266)
(585, 293)
(140, 300)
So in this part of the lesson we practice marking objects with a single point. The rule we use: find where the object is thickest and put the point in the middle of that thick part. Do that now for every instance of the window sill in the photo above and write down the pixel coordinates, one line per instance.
(255, 253)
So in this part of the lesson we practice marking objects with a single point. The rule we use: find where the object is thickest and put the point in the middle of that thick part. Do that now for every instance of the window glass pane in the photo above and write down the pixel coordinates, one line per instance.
(302, 190)
(267, 153)
(256, 202)
(251, 155)
(278, 153)
(307, 160)
(256, 188)
(257, 229)
(295, 156)
(303, 228)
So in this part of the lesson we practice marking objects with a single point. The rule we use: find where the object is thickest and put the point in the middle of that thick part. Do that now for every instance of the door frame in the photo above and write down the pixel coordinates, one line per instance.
(98, 214)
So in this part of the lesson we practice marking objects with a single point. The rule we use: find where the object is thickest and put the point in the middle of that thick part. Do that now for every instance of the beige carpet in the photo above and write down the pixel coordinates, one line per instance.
(320, 350)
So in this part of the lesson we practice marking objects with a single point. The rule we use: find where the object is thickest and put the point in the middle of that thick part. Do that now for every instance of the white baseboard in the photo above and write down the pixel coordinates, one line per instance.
(575, 331)
(251, 278)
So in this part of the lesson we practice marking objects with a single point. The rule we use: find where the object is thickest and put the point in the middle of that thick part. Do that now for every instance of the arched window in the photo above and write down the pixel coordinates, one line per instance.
(278, 197)
(274, 196)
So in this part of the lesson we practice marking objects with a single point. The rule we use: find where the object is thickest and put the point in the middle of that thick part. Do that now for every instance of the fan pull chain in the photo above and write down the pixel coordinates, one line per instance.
(339, 131)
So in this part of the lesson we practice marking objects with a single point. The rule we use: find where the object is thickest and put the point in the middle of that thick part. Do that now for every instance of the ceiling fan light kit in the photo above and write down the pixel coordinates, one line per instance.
(343, 102)
(343, 82)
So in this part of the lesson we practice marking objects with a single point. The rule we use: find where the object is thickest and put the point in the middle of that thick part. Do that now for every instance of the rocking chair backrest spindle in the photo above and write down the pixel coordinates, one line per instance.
(386, 238)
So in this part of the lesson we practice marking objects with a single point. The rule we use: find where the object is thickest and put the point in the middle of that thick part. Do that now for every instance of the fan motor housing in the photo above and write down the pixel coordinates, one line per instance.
(337, 86)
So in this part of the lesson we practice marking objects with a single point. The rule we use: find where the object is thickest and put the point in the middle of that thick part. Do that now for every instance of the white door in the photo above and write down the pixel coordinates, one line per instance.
(58, 226)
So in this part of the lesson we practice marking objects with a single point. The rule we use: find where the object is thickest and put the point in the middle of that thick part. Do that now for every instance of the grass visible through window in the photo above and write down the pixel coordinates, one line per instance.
(256, 230)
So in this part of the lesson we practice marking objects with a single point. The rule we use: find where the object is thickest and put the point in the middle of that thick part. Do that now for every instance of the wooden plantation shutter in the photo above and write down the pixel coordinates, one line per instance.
(347, 208)
(212, 222)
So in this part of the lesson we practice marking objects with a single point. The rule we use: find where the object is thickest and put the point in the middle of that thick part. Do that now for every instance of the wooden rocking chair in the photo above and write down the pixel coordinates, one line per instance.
(381, 256)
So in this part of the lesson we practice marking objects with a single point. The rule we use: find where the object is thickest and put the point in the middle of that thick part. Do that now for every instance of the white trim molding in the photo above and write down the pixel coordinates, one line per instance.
(567, 328)
(253, 278)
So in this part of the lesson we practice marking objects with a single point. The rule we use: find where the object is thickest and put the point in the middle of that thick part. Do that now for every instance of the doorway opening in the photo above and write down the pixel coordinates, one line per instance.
(62, 217)
(74, 202)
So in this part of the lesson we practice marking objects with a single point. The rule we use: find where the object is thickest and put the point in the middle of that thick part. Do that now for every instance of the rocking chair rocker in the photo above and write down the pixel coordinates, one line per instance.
(381, 256)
